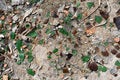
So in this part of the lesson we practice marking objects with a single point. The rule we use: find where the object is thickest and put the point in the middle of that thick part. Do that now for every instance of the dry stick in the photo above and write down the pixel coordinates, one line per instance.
(92, 12)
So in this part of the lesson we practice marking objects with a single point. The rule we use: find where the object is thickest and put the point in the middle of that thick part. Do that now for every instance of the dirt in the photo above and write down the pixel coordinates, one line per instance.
(70, 48)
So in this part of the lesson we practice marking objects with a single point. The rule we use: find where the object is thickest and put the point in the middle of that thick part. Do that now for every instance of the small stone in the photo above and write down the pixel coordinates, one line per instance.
(61, 9)
(5, 77)
(98, 59)
(46, 21)
(118, 55)
(105, 53)
(55, 22)
(93, 66)
(117, 22)
(40, 55)
(113, 51)
(117, 47)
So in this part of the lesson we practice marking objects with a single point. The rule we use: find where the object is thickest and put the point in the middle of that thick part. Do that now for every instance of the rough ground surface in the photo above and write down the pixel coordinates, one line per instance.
(84, 41)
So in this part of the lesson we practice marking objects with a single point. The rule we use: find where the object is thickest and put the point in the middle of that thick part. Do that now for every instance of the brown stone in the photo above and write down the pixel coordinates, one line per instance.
(118, 55)
(117, 47)
(113, 51)
(105, 53)
(93, 66)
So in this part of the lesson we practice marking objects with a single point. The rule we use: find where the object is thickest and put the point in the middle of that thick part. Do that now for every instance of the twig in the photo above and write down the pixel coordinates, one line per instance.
(92, 12)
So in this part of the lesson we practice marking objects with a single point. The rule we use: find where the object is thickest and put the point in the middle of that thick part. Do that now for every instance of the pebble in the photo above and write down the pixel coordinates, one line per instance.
(74, 24)
(105, 53)
(61, 9)
(93, 66)
(113, 71)
(98, 58)
(118, 55)
(17, 2)
(46, 21)
(117, 22)
(55, 22)
(113, 51)
(5, 77)
(40, 54)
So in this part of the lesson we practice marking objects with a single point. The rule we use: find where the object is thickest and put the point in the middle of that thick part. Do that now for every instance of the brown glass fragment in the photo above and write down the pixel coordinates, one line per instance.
(46, 21)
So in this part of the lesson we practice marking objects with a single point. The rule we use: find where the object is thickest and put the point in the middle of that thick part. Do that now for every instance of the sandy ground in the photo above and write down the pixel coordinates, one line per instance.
(52, 69)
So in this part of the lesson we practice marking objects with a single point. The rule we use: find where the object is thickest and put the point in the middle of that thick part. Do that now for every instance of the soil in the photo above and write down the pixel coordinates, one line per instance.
(44, 37)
